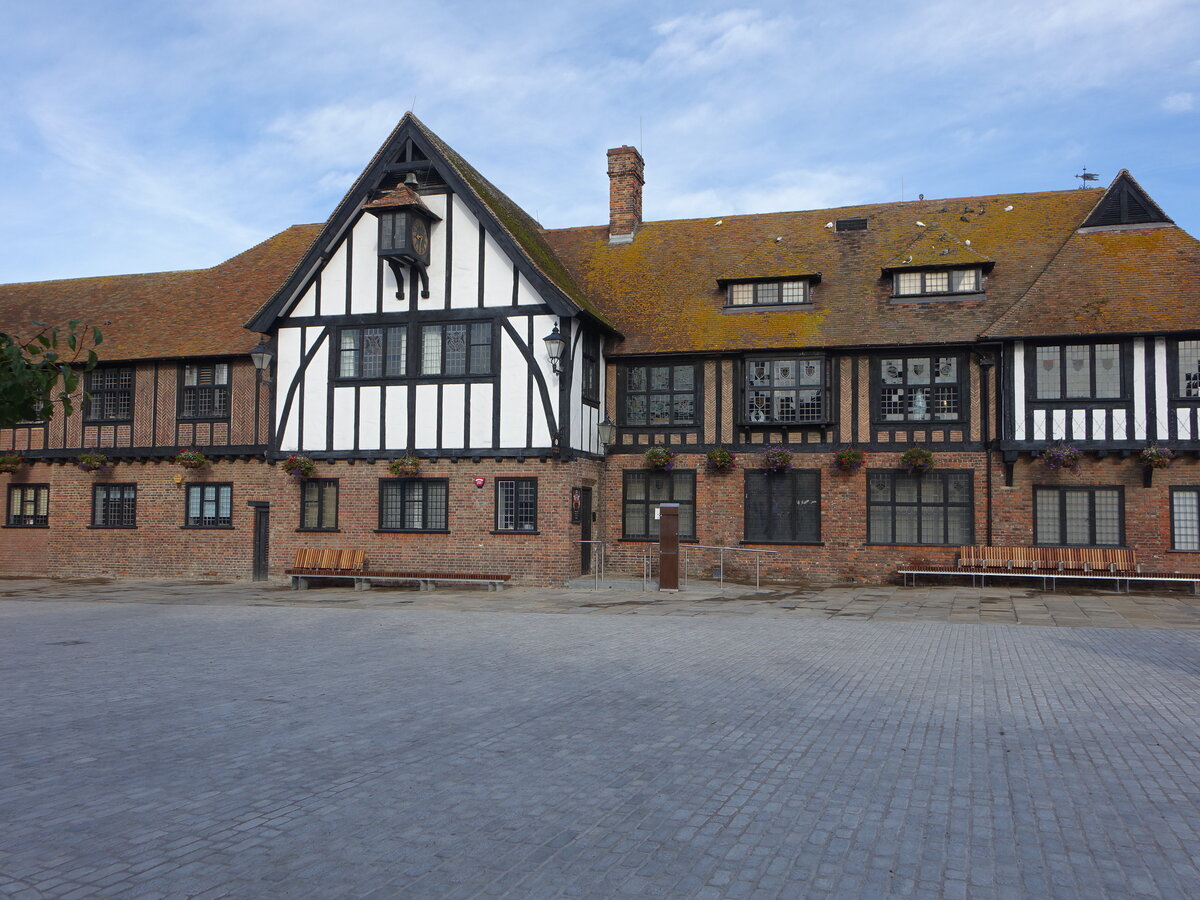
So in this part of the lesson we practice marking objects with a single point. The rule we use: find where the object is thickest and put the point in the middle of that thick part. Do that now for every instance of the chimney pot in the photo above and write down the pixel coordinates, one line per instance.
(626, 175)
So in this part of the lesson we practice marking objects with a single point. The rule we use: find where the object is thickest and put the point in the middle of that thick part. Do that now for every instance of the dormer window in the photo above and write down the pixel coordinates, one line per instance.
(767, 293)
(923, 282)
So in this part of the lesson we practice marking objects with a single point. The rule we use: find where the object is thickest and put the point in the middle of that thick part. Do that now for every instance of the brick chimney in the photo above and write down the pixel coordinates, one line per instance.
(626, 175)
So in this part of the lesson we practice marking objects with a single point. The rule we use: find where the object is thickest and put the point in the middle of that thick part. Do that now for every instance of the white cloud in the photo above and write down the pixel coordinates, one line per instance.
(696, 41)
(1178, 102)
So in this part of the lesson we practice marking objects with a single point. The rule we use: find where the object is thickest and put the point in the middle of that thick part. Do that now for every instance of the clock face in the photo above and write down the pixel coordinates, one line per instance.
(420, 238)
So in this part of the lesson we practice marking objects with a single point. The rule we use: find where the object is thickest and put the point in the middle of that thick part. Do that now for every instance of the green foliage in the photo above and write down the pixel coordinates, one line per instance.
(917, 460)
(39, 372)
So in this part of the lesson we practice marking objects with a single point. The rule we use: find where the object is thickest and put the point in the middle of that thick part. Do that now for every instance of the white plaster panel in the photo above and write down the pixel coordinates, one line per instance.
(1039, 425)
(454, 401)
(396, 437)
(481, 416)
(1161, 390)
(1019, 390)
(525, 293)
(497, 274)
(288, 355)
(343, 419)
(316, 383)
(1058, 426)
(364, 264)
(1183, 423)
(368, 418)
(437, 253)
(307, 305)
(514, 388)
(464, 286)
(1099, 417)
(333, 283)
(1118, 424)
(1079, 425)
(425, 412)
(1139, 389)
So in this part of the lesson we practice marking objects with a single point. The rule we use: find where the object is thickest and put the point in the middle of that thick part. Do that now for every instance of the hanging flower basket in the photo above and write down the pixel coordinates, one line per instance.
(719, 459)
(96, 463)
(917, 460)
(405, 465)
(1061, 456)
(659, 458)
(299, 467)
(191, 459)
(10, 462)
(777, 459)
(1153, 457)
(848, 459)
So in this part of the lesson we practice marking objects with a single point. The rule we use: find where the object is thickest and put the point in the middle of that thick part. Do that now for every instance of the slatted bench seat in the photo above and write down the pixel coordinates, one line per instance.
(351, 564)
(1051, 564)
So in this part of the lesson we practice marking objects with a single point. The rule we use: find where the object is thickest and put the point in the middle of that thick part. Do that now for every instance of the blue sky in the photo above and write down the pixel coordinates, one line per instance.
(149, 136)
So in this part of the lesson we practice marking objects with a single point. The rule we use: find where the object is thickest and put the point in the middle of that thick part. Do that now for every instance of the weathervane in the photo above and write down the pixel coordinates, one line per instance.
(1086, 177)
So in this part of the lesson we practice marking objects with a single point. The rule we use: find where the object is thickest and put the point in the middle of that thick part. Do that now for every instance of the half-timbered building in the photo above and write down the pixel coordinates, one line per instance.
(478, 393)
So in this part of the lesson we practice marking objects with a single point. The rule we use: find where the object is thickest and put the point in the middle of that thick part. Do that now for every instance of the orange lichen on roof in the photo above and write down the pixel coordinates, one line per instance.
(934, 246)
(661, 290)
(164, 314)
(772, 258)
(1119, 281)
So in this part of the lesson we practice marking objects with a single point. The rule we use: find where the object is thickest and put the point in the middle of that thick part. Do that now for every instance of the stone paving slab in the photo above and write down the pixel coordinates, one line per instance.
(219, 750)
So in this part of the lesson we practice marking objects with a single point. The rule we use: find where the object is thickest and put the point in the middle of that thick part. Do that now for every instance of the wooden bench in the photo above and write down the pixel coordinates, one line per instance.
(1051, 564)
(351, 564)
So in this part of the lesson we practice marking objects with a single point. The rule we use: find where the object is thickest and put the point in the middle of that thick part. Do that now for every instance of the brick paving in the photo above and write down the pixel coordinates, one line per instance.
(237, 750)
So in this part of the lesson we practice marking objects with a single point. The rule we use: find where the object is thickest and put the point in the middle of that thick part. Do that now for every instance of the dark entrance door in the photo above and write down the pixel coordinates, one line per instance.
(262, 530)
(585, 530)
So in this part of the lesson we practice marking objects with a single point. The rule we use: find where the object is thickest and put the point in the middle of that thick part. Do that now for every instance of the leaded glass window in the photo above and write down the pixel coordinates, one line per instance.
(377, 352)
(1079, 516)
(931, 508)
(28, 505)
(785, 391)
(920, 389)
(1189, 369)
(204, 393)
(939, 281)
(516, 504)
(114, 505)
(767, 293)
(646, 490)
(413, 504)
(783, 507)
(1078, 372)
(109, 395)
(319, 504)
(461, 348)
(659, 395)
(209, 506)
(1185, 518)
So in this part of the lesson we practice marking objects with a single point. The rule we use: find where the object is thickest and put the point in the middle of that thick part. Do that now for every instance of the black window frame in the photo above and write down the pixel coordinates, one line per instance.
(203, 487)
(878, 388)
(768, 292)
(418, 363)
(919, 504)
(40, 498)
(219, 392)
(130, 508)
(589, 382)
(624, 393)
(937, 270)
(1090, 490)
(388, 331)
(531, 519)
(647, 505)
(1176, 490)
(1124, 358)
(104, 396)
(824, 389)
(322, 484)
(426, 485)
(779, 483)
(1175, 373)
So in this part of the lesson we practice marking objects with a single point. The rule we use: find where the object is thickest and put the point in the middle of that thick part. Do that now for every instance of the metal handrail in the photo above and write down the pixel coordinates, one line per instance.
(598, 571)
(721, 561)
(647, 569)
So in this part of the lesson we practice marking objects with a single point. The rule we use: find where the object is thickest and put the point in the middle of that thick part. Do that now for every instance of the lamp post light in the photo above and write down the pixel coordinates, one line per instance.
(262, 357)
(607, 431)
(555, 345)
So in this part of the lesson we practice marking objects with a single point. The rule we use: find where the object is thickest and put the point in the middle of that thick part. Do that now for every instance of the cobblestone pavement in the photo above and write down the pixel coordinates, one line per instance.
(931, 603)
(186, 750)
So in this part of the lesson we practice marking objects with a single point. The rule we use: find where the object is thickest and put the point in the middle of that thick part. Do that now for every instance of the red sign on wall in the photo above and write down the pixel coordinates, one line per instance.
(480, 481)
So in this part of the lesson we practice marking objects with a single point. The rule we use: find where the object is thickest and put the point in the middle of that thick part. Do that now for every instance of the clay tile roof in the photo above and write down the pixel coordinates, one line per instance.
(164, 314)
(399, 197)
(933, 246)
(661, 290)
(770, 259)
(1123, 281)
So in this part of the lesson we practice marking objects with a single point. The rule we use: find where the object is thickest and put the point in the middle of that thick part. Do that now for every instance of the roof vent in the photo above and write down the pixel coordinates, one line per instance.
(851, 225)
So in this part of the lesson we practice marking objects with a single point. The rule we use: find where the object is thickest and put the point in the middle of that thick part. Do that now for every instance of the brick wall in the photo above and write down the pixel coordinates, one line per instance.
(626, 170)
